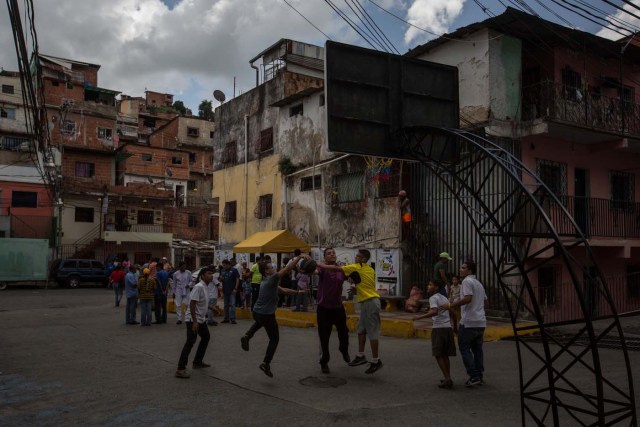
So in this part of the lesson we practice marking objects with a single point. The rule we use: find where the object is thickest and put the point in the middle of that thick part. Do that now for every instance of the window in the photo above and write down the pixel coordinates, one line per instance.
(229, 214)
(84, 264)
(547, 277)
(349, 187)
(104, 133)
(145, 217)
(571, 83)
(8, 113)
(193, 220)
(176, 160)
(146, 157)
(296, 110)
(69, 85)
(266, 140)
(307, 183)
(192, 158)
(191, 185)
(55, 83)
(211, 133)
(622, 190)
(13, 142)
(85, 170)
(24, 199)
(264, 208)
(554, 175)
(633, 281)
(149, 122)
(67, 127)
(195, 132)
(628, 97)
(84, 214)
(230, 154)
(7, 89)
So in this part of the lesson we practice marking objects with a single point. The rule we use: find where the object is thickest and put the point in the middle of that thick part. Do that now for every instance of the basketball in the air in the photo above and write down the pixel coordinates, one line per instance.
(308, 266)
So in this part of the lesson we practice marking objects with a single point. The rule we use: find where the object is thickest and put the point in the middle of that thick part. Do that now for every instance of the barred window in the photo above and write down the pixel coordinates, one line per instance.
(622, 190)
(84, 215)
(105, 133)
(229, 214)
(554, 175)
(308, 182)
(195, 132)
(349, 187)
(12, 142)
(193, 220)
(265, 206)
(145, 217)
(68, 127)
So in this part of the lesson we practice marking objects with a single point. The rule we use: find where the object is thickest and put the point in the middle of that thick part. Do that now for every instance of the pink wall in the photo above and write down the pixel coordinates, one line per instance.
(44, 208)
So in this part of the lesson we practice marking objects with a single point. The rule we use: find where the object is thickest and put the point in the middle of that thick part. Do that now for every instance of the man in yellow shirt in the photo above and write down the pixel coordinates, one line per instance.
(363, 277)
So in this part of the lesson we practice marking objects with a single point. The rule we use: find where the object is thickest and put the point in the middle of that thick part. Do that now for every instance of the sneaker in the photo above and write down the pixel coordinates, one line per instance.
(244, 342)
(359, 360)
(325, 369)
(179, 322)
(182, 373)
(373, 367)
(472, 381)
(346, 357)
(200, 365)
(264, 367)
(233, 322)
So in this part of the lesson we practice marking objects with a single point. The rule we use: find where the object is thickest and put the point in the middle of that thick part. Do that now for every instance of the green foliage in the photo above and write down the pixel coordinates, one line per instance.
(205, 110)
(179, 107)
(285, 166)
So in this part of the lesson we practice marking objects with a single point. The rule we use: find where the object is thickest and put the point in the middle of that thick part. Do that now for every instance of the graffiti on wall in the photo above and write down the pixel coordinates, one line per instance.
(340, 238)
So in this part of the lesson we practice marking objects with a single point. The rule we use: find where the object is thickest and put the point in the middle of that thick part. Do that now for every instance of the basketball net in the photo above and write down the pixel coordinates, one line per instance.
(379, 169)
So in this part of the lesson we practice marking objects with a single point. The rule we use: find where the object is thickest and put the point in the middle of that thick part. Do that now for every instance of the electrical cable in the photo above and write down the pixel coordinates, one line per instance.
(350, 23)
(305, 18)
(375, 26)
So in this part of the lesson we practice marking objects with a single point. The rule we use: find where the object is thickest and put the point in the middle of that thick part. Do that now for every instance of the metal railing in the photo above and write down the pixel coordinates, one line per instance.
(595, 217)
(550, 100)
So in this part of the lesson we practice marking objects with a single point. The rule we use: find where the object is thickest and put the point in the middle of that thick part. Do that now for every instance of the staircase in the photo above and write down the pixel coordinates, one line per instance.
(87, 244)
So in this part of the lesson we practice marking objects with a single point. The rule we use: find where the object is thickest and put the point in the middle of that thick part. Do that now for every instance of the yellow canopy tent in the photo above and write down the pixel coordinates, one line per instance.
(279, 241)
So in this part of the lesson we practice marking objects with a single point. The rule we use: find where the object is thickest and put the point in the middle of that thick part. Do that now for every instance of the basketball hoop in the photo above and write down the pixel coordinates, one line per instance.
(379, 169)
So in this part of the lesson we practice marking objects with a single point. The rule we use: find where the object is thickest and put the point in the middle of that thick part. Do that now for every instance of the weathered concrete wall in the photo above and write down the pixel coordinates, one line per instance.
(505, 72)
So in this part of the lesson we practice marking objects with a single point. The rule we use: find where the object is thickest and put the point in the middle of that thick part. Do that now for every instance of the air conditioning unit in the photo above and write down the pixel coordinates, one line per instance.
(25, 146)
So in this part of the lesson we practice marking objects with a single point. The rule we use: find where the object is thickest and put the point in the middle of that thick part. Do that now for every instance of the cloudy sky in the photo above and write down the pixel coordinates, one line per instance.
(191, 47)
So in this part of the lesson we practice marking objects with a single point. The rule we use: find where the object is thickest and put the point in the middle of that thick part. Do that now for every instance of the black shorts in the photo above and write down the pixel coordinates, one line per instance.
(442, 342)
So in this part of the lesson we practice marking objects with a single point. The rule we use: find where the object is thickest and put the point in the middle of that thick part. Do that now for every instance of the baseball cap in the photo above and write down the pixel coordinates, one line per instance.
(445, 255)
(146, 271)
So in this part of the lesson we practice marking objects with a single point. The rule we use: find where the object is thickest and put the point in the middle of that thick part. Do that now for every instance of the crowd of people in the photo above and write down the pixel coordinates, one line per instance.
(455, 307)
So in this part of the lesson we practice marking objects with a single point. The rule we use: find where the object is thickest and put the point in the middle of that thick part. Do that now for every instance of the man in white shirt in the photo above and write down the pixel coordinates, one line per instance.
(181, 283)
(195, 318)
(472, 323)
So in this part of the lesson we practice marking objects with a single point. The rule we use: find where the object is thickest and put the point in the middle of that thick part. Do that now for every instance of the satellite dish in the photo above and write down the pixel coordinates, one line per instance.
(219, 95)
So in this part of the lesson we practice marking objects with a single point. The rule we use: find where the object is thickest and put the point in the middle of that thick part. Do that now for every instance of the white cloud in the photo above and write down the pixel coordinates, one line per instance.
(198, 46)
(432, 15)
(622, 16)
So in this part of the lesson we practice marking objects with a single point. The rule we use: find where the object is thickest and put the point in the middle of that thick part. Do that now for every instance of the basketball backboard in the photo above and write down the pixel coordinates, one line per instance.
(374, 99)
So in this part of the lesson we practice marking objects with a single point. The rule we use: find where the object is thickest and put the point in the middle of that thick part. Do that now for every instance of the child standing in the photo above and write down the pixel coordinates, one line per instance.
(454, 295)
(442, 343)
(246, 288)
(304, 280)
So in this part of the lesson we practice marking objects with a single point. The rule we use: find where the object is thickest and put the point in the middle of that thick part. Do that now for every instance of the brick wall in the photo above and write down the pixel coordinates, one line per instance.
(166, 136)
(103, 168)
(176, 221)
(86, 130)
(159, 99)
(161, 159)
(56, 91)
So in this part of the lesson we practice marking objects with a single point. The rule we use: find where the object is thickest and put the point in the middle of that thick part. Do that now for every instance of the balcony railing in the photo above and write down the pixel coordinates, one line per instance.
(135, 228)
(555, 101)
(595, 217)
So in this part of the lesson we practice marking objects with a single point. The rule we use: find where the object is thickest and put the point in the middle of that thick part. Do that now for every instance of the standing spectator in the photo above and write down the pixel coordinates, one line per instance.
(303, 285)
(472, 323)
(160, 297)
(153, 267)
(246, 288)
(256, 279)
(330, 311)
(364, 277)
(264, 312)
(230, 285)
(146, 288)
(454, 295)
(195, 317)
(181, 281)
(126, 264)
(440, 272)
(212, 294)
(131, 289)
(117, 281)
(443, 344)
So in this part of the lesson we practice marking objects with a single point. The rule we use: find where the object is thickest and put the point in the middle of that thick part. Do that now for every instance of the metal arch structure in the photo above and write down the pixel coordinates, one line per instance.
(567, 381)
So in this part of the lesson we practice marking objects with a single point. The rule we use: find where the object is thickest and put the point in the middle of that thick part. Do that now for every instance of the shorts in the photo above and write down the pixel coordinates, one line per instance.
(442, 342)
(369, 322)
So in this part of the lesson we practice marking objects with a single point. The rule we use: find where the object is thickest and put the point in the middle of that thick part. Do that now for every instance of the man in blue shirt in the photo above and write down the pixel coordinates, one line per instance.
(230, 284)
(160, 296)
(131, 290)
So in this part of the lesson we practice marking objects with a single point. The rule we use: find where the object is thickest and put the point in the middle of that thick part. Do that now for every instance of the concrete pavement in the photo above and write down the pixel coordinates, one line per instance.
(68, 359)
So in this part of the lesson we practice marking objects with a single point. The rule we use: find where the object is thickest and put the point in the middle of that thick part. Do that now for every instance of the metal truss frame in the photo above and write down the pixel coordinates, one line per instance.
(567, 382)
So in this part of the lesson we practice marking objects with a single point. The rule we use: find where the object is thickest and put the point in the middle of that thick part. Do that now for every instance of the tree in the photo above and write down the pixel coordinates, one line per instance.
(179, 107)
(205, 110)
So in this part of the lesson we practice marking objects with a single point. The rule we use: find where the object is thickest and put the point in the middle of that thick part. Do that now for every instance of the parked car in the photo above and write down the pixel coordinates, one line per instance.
(72, 272)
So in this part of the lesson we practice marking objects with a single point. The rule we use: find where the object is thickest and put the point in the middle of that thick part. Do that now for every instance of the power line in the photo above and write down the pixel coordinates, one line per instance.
(305, 18)
(349, 22)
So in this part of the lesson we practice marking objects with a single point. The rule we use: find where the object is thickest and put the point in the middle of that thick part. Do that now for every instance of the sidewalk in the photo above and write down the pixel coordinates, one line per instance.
(398, 324)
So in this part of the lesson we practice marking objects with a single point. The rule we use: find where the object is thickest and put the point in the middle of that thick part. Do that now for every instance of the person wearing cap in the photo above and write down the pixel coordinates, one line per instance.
(146, 289)
(196, 320)
(440, 273)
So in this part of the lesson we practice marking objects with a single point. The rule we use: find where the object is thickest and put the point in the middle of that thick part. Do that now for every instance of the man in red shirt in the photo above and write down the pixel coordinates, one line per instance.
(117, 282)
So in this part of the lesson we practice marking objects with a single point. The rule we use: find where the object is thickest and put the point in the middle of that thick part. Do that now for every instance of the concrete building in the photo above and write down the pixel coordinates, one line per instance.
(565, 102)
